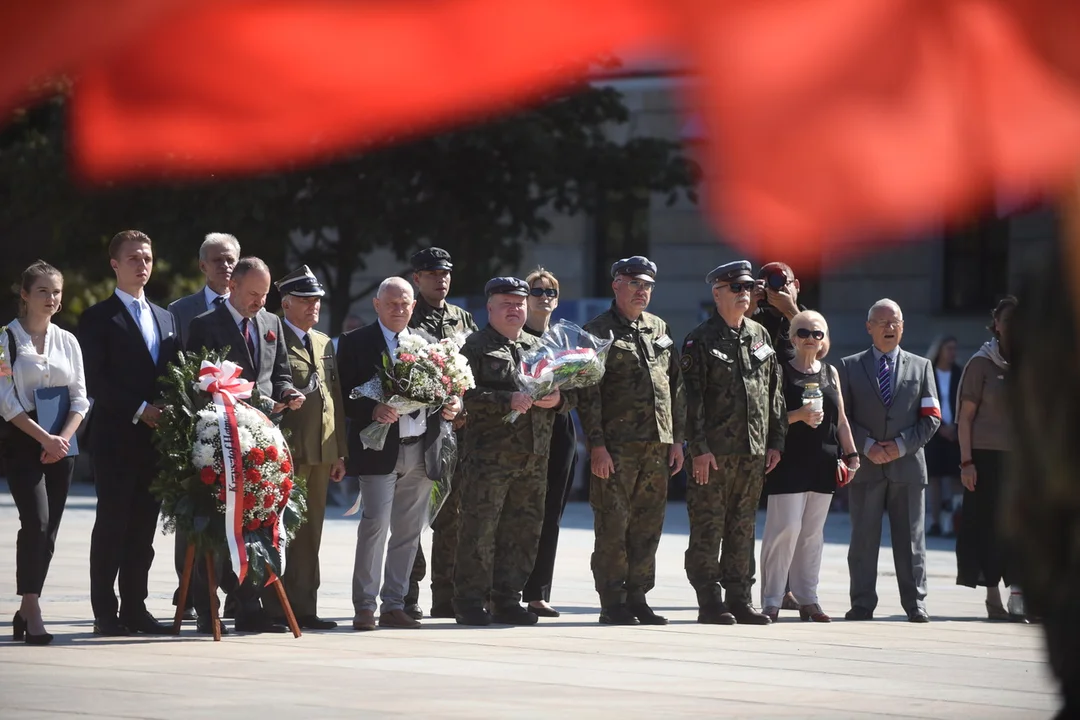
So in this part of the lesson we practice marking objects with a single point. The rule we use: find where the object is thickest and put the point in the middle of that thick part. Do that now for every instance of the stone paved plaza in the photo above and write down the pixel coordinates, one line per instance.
(956, 667)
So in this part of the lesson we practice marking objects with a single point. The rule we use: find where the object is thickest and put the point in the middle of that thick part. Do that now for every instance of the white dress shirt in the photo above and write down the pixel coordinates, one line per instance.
(407, 426)
(150, 327)
(238, 319)
(211, 296)
(61, 365)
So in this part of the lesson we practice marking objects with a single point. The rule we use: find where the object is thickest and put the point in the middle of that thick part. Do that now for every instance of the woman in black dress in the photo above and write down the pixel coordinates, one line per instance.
(943, 450)
(801, 487)
(543, 299)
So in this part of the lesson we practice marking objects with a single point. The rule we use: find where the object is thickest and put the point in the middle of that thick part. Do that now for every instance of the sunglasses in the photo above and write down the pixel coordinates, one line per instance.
(804, 333)
(541, 292)
(741, 287)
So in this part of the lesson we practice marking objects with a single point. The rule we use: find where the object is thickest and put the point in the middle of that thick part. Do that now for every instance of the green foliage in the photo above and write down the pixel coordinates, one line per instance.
(187, 503)
(480, 192)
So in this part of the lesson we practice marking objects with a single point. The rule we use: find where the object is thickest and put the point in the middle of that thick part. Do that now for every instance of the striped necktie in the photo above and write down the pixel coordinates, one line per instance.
(884, 379)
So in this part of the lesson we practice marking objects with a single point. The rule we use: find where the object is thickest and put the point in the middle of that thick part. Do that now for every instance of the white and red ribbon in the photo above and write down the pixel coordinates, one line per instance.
(223, 382)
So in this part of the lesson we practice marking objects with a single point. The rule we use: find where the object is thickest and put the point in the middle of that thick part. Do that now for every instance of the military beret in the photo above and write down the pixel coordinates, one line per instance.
(638, 266)
(506, 286)
(432, 258)
(301, 283)
(740, 270)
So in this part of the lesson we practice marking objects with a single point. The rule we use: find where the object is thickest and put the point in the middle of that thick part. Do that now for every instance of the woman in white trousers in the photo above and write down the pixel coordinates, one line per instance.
(800, 489)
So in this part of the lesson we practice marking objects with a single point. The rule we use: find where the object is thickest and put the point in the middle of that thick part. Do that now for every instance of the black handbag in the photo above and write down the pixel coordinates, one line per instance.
(6, 428)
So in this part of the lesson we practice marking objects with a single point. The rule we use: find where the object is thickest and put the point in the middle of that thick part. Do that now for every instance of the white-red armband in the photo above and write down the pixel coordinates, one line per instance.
(930, 408)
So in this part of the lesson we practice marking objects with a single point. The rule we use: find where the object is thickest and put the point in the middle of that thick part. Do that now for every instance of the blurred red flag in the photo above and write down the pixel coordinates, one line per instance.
(824, 118)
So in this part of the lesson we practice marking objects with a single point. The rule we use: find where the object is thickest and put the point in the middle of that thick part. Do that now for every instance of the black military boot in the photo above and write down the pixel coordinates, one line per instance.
(514, 615)
(711, 607)
(617, 614)
(746, 614)
(475, 616)
(645, 614)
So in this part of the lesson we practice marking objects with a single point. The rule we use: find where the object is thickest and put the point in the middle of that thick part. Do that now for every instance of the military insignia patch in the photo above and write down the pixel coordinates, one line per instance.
(686, 361)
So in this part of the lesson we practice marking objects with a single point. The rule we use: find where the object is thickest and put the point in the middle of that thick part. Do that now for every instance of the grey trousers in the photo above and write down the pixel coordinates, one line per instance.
(905, 503)
(394, 506)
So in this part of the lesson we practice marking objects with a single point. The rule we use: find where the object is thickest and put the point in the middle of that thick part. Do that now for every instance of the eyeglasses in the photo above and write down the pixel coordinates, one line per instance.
(804, 333)
(639, 285)
(541, 292)
(741, 287)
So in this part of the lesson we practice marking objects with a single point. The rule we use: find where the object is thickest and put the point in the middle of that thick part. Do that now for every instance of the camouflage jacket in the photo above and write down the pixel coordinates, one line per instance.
(735, 397)
(494, 360)
(443, 322)
(641, 398)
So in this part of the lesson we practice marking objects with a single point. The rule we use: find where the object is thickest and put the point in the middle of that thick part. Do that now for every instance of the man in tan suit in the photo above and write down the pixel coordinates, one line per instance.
(317, 439)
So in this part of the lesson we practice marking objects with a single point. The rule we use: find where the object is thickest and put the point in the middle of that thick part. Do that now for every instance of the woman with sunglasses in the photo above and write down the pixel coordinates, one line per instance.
(562, 459)
(801, 487)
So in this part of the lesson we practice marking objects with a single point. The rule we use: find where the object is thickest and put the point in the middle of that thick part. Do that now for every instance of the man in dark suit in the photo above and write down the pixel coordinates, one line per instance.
(127, 342)
(217, 258)
(256, 343)
(395, 482)
(890, 398)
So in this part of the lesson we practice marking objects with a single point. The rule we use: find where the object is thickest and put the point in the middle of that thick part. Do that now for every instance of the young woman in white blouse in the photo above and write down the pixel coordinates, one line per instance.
(39, 471)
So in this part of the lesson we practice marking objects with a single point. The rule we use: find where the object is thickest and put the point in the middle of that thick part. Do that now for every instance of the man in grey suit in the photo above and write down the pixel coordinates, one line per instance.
(256, 342)
(218, 255)
(891, 401)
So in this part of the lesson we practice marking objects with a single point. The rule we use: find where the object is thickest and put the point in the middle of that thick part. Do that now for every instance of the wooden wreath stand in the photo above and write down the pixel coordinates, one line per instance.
(215, 620)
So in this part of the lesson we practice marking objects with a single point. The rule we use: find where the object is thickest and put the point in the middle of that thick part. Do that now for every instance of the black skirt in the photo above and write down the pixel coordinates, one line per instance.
(981, 555)
(942, 458)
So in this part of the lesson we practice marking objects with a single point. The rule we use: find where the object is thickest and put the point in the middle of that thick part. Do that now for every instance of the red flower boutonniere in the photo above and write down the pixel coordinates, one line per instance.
(270, 336)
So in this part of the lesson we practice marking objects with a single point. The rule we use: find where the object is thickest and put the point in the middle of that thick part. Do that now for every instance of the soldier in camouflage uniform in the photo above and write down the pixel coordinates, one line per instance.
(505, 473)
(440, 319)
(735, 427)
(634, 423)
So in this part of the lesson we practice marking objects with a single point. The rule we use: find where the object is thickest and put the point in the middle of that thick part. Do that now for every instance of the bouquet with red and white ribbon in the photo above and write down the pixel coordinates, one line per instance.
(234, 487)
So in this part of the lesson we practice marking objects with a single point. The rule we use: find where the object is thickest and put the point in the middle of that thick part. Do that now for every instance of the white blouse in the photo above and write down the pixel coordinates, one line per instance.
(61, 365)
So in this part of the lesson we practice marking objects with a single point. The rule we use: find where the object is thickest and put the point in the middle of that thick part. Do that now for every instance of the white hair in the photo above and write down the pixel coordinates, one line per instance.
(216, 239)
(881, 305)
(395, 281)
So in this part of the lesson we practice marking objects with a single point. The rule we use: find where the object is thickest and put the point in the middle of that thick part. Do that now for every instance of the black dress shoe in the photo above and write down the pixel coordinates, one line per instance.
(259, 623)
(746, 614)
(313, 622)
(414, 611)
(919, 616)
(189, 614)
(544, 611)
(715, 614)
(202, 626)
(110, 627)
(618, 614)
(513, 615)
(145, 623)
(442, 610)
(646, 615)
(858, 614)
(477, 617)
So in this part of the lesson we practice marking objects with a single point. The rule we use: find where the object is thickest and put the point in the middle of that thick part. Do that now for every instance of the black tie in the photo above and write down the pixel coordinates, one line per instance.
(245, 327)
(219, 301)
(307, 346)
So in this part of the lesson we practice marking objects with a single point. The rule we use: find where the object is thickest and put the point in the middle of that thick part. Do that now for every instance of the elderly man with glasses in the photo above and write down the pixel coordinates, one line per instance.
(735, 425)
(634, 422)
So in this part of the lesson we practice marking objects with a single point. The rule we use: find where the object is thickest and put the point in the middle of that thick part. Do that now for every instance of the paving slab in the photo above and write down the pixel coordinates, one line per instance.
(957, 666)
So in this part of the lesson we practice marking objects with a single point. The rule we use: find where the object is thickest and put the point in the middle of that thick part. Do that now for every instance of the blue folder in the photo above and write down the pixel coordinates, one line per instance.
(53, 405)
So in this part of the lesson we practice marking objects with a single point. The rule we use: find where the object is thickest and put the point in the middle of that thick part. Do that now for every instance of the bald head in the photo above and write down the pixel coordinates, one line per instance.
(394, 303)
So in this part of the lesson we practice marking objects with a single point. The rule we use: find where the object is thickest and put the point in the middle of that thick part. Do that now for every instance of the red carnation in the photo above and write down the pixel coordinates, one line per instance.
(249, 501)
(270, 521)
(253, 476)
(256, 456)
(286, 486)
(286, 467)
(271, 453)
(268, 501)
(253, 525)
(208, 476)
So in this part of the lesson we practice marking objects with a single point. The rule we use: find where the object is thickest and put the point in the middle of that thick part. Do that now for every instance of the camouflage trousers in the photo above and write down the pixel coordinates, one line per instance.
(723, 515)
(502, 514)
(444, 534)
(628, 518)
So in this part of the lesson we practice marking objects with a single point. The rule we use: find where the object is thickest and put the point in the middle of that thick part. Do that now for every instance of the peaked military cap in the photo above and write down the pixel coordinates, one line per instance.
(506, 286)
(301, 283)
(431, 258)
(638, 266)
(738, 271)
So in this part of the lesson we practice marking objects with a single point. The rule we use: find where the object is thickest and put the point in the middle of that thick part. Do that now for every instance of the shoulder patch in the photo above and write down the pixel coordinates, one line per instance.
(686, 361)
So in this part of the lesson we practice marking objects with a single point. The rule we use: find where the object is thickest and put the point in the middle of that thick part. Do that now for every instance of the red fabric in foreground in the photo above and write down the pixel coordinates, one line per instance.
(826, 118)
